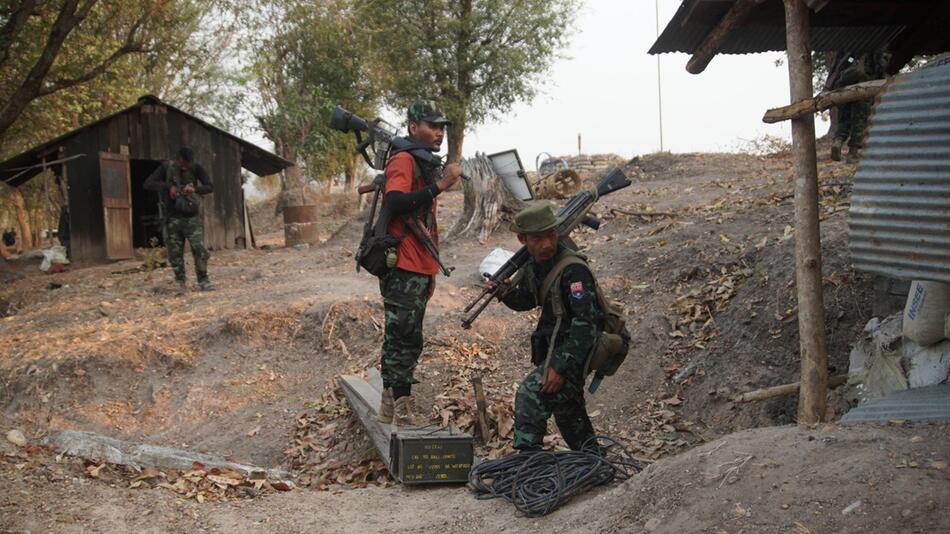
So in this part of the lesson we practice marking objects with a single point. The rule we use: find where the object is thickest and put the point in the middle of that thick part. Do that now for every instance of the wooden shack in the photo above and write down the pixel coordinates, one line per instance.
(101, 168)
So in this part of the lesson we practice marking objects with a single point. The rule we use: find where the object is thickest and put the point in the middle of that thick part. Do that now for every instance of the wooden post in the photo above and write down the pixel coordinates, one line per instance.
(481, 408)
(811, 312)
(717, 36)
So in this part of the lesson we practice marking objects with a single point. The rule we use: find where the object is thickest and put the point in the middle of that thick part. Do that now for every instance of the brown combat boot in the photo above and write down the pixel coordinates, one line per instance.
(404, 413)
(385, 412)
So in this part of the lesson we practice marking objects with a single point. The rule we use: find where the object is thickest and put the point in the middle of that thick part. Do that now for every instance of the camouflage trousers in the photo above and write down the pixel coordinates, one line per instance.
(405, 295)
(179, 230)
(533, 409)
(852, 123)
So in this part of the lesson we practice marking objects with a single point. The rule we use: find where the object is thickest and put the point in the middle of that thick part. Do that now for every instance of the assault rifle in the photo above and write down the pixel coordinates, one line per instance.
(381, 139)
(572, 214)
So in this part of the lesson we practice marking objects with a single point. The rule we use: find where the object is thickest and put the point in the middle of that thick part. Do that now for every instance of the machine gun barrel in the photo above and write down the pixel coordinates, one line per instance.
(573, 213)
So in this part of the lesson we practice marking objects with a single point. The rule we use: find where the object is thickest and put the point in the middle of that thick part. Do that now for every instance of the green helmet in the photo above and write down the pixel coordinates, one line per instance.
(427, 110)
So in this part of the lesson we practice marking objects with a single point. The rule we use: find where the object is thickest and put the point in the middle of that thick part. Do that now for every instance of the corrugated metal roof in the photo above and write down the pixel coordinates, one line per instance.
(856, 26)
(921, 404)
(900, 205)
(253, 157)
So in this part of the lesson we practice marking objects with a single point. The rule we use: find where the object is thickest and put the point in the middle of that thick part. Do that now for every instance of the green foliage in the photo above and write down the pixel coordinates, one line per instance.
(185, 42)
(314, 59)
(182, 59)
(476, 57)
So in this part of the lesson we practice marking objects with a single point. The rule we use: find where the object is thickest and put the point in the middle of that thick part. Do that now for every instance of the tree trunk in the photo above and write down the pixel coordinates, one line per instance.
(456, 135)
(813, 398)
(23, 219)
(352, 173)
(486, 200)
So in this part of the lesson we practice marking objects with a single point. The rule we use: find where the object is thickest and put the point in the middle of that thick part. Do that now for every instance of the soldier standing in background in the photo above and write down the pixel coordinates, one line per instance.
(852, 117)
(174, 180)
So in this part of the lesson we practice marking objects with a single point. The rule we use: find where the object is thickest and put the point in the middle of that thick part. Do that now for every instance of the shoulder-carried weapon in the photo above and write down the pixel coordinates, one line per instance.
(572, 214)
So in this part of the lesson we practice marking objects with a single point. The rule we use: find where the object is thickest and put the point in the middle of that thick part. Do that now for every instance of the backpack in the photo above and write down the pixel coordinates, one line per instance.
(377, 248)
(613, 342)
(376, 244)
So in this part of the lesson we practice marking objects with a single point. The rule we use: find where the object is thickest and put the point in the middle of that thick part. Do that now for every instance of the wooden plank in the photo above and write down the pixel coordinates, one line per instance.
(375, 379)
(825, 100)
(116, 204)
(364, 400)
(423, 455)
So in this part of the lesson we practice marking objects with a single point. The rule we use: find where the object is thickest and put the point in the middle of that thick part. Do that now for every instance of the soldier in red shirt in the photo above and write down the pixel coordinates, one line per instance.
(411, 189)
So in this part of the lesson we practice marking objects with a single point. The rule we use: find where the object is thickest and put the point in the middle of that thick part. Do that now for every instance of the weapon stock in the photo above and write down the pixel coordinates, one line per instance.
(573, 213)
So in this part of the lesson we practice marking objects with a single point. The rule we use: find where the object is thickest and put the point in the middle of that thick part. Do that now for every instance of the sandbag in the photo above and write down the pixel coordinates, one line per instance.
(924, 314)
(926, 366)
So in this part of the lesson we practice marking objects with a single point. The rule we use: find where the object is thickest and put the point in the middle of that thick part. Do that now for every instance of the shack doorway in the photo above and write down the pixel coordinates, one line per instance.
(146, 221)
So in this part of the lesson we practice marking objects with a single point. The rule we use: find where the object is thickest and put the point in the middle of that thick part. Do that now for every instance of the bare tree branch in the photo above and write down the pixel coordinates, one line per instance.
(18, 16)
(71, 14)
(129, 46)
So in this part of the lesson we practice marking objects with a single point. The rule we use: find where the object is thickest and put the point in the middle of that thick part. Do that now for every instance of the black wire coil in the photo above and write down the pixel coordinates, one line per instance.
(539, 482)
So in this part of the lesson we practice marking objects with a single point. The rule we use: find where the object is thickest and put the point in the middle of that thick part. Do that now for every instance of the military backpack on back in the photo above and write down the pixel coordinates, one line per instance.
(377, 249)
(612, 344)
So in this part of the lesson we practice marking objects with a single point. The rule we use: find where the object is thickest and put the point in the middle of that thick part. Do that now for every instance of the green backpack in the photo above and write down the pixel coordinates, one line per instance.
(612, 344)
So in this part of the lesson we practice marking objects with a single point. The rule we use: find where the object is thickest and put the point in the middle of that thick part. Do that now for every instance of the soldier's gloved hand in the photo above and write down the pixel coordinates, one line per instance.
(173, 191)
(553, 382)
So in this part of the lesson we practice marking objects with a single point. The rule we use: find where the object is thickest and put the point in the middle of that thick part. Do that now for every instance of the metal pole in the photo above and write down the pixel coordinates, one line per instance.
(659, 87)
(813, 395)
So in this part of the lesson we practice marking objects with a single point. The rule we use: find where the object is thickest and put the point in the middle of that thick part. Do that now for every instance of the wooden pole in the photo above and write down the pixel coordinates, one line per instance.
(481, 408)
(718, 35)
(811, 312)
(825, 100)
(783, 390)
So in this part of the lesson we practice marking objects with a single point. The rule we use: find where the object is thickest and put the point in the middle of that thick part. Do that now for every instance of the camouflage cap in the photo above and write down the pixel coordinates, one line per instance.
(537, 218)
(427, 110)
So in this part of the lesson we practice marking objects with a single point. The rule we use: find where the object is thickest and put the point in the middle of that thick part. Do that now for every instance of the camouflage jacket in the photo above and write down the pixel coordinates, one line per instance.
(582, 321)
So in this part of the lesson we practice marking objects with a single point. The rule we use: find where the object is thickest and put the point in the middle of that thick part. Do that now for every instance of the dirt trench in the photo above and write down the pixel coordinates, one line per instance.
(708, 290)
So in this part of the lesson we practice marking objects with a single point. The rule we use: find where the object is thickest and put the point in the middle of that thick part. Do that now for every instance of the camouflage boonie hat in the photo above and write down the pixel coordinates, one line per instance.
(427, 110)
(536, 219)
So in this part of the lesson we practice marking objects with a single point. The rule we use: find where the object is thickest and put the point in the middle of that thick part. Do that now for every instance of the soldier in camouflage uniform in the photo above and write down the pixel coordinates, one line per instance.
(559, 346)
(171, 179)
(410, 191)
(853, 116)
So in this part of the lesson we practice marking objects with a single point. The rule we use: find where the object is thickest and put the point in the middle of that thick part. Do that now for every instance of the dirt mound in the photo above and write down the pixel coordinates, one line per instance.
(790, 479)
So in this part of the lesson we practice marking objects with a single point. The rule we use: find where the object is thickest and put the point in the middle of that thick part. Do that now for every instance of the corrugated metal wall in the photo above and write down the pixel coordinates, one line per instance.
(900, 206)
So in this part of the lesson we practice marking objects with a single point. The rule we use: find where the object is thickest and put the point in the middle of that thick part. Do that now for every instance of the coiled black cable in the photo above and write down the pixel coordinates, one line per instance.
(539, 482)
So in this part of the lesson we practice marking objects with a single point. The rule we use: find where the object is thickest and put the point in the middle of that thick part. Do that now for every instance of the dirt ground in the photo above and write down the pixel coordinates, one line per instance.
(700, 253)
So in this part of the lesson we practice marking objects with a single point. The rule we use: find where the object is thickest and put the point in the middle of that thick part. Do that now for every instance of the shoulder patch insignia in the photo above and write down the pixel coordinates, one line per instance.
(577, 290)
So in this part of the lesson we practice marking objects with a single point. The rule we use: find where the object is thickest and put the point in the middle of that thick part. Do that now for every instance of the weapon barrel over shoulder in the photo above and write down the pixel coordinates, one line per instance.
(574, 212)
